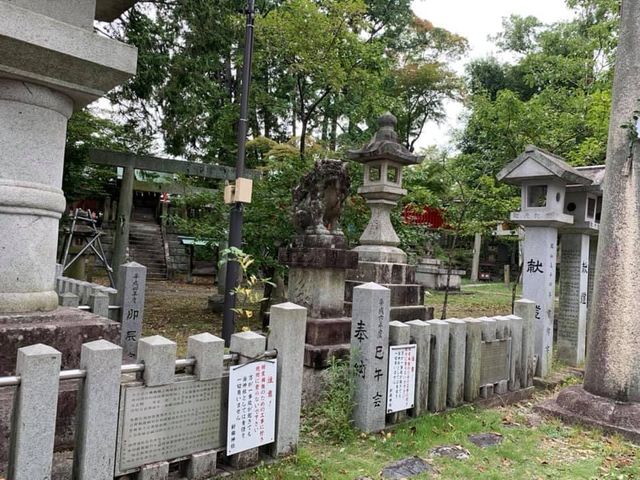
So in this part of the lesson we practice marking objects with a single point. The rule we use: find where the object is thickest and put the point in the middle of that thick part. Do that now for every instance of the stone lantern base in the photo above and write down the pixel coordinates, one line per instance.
(576, 405)
(407, 297)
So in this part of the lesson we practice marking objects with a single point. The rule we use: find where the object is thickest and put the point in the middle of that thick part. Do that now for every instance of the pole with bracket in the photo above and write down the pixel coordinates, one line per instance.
(236, 194)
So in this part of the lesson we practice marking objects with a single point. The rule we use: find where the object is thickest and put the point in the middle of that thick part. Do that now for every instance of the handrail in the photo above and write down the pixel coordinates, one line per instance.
(76, 374)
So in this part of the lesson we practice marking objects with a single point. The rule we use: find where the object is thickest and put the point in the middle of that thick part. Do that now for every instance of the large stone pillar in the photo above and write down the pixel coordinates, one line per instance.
(610, 397)
(613, 362)
(52, 63)
(32, 134)
(538, 285)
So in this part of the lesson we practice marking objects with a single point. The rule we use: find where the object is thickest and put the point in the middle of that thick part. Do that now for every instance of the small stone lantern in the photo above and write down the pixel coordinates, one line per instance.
(379, 258)
(383, 158)
(543, 178)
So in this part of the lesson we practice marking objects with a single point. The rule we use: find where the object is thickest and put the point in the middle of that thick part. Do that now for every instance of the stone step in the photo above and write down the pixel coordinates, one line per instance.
(383, 273)
(402, 294)
(403, 313)
(320, 356)
(328, 331)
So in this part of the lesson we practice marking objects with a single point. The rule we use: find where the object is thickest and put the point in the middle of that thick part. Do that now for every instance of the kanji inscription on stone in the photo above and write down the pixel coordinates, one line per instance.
(168, 421)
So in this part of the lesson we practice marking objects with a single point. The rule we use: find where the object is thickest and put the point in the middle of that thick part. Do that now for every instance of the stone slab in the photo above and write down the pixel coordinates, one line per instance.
(328, 331)
(62, 56)
(576, 405)
(406, 468)
(64, 329)
(401, 294)
(318, 258)
(320, 356)
(383, 273)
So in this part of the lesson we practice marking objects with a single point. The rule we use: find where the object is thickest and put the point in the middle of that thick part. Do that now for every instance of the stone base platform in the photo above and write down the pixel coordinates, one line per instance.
(319, 356)
(215, 303)
(64, 329)
(576, 405)
(407, 296)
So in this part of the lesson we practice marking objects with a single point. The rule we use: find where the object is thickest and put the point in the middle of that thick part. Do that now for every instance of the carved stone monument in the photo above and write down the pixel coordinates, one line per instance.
(543, 178)
(610, 397)
(379, 258)
(318, 261)
(585, 204)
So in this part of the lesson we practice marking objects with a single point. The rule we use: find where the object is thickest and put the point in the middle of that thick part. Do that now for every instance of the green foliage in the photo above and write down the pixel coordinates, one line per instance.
(248, 292)
(81, 178)
(331, 418)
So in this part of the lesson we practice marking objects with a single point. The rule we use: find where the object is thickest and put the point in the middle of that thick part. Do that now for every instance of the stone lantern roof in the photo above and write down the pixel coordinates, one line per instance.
(109, 10)
(538, 164)
(385, 146)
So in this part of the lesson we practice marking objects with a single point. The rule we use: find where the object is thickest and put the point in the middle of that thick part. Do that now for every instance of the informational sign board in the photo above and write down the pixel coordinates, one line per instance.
(168, 421)
(495, 358)
(401, 387)
(252, 406)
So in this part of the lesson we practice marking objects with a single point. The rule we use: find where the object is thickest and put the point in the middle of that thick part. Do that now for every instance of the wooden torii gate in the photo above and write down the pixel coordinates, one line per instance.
(130, 162)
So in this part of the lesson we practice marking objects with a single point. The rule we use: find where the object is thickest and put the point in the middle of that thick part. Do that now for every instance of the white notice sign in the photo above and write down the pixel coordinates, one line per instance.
(401, 387)
(252, 406)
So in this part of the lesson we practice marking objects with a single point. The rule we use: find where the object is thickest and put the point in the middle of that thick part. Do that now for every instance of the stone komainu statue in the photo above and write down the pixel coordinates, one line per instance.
(318, 198)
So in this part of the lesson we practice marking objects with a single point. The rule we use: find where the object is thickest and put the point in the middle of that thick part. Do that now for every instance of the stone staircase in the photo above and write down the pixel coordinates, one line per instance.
(145, 243)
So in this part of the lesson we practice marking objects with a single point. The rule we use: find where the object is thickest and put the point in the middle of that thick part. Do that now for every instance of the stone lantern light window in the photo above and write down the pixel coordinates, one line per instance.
(375, 173)
(537, 196)
(591, 208)
(392, 174)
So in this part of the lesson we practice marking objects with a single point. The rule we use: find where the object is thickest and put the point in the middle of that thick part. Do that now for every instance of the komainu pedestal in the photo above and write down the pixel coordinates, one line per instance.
(317, 265)
(318, 260)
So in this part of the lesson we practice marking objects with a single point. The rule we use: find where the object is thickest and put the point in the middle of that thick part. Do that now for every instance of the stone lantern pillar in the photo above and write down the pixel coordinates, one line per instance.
(52, 63)
(578, 245)
(379, 258)
(543, 178)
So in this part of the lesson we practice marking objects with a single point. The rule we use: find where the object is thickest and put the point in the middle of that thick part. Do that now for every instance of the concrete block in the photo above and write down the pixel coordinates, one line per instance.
(287, 330)
(99, 304)
(489, 328)
(99, 397)
(202, 465)
(526, 309)
(457, 360)
(515, 375)
(34, 414)
(159, 357)
(421, 336)
(208, 350)
(69, 300)
(154, 471)
(439, 374)
(501, 387)
(472, 359)
(399, 333)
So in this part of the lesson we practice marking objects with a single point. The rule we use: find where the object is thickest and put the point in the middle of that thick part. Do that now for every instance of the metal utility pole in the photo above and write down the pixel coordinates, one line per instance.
(235, 220)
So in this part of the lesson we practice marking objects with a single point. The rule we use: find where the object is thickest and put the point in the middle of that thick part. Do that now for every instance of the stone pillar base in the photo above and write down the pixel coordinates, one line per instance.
(576, 405)
(64, 329)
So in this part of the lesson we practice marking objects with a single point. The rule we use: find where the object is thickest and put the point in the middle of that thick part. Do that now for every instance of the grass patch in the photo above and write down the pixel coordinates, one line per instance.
(533, 448)
(476, 300)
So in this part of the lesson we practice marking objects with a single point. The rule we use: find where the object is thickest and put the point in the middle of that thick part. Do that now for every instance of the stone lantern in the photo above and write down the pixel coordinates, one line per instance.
(383, 159)
(578, 247)
(543, 179)
(379, 258)
(52, 64)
